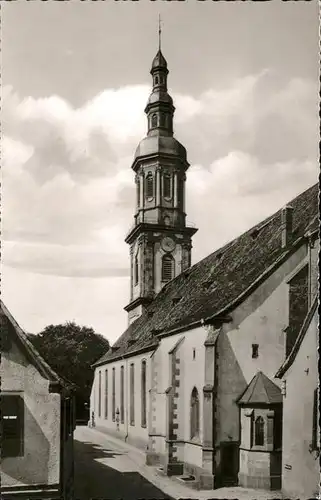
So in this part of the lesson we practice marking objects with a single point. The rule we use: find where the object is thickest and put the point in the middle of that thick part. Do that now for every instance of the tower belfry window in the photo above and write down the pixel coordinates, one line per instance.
(154, 120)
(149, 186)
(167, 186)
(156, 80)
(136, 270)
(167, 268)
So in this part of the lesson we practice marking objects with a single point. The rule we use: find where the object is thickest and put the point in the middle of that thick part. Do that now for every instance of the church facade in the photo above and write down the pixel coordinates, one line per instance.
(192, 380)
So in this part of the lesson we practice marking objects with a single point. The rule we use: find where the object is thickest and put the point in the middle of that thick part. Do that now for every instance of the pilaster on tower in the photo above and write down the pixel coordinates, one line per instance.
(160, 240)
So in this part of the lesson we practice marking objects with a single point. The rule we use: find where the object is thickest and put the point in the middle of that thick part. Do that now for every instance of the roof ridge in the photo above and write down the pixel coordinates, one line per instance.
(41, 364)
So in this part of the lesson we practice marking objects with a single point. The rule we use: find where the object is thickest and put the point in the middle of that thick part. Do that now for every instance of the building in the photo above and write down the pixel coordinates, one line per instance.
(192, 379)
(37, 421)
(299, 374)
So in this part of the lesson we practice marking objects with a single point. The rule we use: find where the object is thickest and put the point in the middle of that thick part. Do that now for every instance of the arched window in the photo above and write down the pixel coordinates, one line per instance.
(136, 269)
(167, 268)
(138, 193)
(132, 394)
(143, 393)
(167, 185)
(154, 120)
(99, 394)
(106, 394)
(149, 186)
(156, 80)
(195, 414)
(122, 391)
(259, 431)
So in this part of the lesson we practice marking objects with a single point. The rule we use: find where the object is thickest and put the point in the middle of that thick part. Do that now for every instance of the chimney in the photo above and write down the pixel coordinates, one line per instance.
(286, 225)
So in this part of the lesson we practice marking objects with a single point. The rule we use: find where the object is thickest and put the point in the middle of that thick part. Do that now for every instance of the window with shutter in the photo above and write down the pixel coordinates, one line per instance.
(167, 268)
(12, 416)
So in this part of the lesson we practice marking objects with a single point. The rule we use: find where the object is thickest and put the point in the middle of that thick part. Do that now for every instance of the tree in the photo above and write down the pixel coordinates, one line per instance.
(70, 350)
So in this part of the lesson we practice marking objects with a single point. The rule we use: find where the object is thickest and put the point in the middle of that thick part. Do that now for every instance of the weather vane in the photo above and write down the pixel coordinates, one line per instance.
(159, 32)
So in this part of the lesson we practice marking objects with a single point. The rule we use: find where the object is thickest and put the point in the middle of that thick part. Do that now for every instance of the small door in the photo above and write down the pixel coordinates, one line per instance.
(229, 463)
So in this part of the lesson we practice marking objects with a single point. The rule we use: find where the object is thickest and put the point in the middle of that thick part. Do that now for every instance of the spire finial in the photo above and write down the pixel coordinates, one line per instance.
(159, 32)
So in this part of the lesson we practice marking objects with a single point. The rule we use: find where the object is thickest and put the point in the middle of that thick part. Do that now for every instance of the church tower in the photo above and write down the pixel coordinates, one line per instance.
(160, 239)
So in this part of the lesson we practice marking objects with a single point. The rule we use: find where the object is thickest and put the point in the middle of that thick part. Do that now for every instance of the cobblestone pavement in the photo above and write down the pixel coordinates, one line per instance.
(109, 469)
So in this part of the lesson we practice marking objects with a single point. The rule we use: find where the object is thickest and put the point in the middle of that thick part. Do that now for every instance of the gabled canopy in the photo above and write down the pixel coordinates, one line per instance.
(261, 390)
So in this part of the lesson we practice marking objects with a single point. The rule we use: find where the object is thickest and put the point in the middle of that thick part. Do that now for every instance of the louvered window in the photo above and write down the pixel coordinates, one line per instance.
(149, 186)
(167, 186)
(167, 268)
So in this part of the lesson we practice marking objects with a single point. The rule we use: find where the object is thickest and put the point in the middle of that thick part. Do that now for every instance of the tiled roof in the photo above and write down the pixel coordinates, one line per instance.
(215, 284)
(291, 357)
(261, 390)
(10, 330)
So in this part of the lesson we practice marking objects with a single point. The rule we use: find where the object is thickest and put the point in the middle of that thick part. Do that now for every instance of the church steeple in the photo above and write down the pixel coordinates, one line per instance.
(159, 108)
(160, 240)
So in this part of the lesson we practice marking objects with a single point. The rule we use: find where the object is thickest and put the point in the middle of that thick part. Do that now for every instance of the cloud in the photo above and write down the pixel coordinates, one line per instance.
(68, 190)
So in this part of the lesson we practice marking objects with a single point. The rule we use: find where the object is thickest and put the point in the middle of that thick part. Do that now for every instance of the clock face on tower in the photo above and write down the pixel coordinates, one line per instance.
(168, 245)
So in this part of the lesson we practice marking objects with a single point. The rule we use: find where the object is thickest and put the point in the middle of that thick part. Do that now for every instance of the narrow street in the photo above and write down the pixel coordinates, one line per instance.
(108, 469)
(104, 472)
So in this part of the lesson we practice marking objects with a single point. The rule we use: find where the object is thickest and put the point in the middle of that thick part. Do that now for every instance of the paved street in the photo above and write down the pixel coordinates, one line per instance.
(104, 472)
(109, 469)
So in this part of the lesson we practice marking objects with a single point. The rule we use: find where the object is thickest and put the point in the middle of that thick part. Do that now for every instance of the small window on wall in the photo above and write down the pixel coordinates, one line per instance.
(149, 186)
(167, 268)
(156, 80)
(259, 431)
(12, 420)
(167, 185)
(255, 351)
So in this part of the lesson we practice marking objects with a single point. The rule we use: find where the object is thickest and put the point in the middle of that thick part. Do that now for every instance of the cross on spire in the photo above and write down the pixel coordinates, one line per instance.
(159, 32)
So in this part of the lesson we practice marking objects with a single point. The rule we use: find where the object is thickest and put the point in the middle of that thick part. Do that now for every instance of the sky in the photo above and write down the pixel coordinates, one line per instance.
(75, 76)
